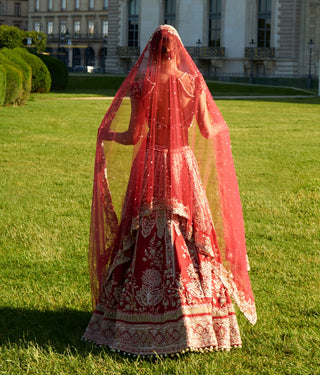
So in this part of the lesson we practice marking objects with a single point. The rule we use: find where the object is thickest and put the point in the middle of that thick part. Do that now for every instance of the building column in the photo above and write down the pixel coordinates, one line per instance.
(112, 62)
(190, 21)
(69, 49)
(96, 55)
(234, 35)
(150, 16)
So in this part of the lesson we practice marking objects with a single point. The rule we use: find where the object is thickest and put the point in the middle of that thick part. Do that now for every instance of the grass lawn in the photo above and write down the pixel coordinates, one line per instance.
(104, 85)
(46, 160)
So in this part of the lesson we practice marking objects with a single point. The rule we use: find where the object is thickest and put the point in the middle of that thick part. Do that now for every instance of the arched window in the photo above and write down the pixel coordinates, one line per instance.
(170, 12)
(133, 23)
(214, 23)
(264, 23)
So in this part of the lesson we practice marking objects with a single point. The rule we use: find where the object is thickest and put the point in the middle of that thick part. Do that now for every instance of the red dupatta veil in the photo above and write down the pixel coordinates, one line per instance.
(164, 103)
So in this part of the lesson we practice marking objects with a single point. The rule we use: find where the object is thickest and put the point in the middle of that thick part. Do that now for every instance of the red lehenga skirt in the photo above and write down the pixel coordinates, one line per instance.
(164, 291)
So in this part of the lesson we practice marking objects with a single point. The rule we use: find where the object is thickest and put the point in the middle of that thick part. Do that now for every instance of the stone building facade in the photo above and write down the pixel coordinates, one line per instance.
(225, 37)
(77, 30)
(14, 13)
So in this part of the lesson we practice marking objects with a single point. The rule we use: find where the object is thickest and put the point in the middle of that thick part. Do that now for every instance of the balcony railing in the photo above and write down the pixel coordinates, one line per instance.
(128, 51)
(200, 52)
(206, 52)
(77, 36)
(259, 52)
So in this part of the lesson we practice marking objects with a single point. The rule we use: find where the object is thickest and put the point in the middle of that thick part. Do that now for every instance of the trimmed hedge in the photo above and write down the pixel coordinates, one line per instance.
(3, 84)
(17, 61)
(58, 72)
(14, 78)
(41, 79)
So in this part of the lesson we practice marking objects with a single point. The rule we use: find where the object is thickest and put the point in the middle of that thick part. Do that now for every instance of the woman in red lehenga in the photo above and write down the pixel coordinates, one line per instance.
(162, 276)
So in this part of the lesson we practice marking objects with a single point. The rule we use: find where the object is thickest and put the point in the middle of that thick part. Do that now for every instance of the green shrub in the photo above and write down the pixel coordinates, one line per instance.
(58, 72)
(3, 84)
(17, 61)
(14, 78)
(11, 36)
(41, 79)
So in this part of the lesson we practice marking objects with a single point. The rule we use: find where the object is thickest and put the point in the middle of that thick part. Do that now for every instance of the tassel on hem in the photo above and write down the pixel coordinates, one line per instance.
(164, 355)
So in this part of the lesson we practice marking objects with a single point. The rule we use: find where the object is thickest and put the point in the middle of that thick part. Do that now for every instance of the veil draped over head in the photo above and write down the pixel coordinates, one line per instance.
(164, 103)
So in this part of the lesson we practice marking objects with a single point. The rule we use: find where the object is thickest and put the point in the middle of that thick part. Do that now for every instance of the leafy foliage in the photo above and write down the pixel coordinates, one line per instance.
(39, 40)
(13, 37)
(3, 84)
(41, 79)
(14, 78)
(58, 72)
(17, 61)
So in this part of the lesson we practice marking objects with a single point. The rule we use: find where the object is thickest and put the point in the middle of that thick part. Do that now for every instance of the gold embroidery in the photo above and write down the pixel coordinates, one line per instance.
(150, 294)
(171, 336)
(147, 224)
(173, 293)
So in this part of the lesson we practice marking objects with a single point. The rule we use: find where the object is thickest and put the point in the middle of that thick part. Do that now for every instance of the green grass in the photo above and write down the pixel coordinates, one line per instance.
(98, 85)
(47, 158)
(105, 85)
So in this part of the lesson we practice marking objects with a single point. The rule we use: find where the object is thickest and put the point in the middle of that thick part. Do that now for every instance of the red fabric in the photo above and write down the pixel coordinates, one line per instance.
(182, 169)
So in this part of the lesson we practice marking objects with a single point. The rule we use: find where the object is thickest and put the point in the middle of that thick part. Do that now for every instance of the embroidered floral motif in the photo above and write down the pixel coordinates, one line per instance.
(147, 224)
(151, 278)
(150, 294)
(194, 286)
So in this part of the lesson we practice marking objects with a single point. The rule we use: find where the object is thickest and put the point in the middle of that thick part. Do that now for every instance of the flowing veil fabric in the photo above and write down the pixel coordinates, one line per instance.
(179, 192)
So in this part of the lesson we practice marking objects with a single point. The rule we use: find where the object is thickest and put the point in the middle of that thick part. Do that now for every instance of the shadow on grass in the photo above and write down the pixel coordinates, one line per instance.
(58, 330)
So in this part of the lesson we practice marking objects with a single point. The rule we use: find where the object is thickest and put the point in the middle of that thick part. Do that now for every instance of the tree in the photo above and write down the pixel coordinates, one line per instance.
(12, 37)
(38, 40)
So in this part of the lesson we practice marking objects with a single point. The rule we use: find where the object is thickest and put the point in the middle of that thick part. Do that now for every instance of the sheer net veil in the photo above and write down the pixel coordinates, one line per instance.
(164, 103)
